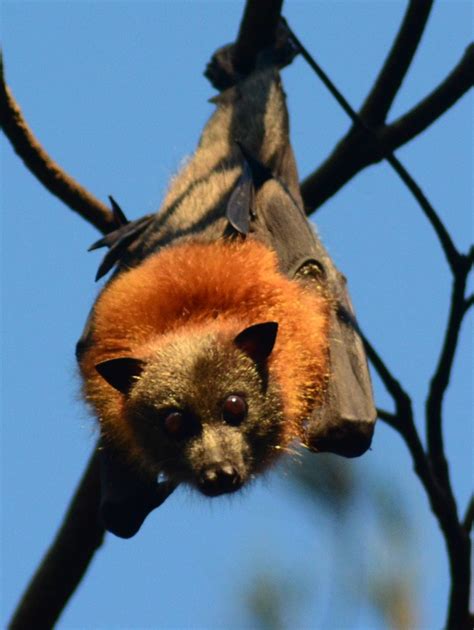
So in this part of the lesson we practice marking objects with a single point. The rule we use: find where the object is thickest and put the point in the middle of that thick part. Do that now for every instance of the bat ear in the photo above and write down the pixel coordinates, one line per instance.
(257, 341)
(120, 373)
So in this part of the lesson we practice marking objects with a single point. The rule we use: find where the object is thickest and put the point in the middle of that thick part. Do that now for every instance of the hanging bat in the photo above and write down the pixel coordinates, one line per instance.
(225, 333)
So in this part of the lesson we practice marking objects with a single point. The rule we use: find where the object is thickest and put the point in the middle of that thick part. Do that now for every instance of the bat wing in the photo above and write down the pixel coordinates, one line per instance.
(345, 423)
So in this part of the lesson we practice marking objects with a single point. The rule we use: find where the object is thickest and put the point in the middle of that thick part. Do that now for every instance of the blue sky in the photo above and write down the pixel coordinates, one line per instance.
(114, 91)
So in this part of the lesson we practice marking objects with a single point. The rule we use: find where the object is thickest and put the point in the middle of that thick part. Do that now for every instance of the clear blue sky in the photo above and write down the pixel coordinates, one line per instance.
(114, 91)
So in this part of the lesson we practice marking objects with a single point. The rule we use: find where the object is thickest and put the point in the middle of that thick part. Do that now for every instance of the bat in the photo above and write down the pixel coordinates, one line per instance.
(225, 332)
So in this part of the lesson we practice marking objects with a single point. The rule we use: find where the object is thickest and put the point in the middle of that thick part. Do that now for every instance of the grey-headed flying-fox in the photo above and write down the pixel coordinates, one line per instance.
(225, 333)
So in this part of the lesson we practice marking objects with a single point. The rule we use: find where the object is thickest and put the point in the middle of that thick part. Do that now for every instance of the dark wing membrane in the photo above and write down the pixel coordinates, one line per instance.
(344, 425)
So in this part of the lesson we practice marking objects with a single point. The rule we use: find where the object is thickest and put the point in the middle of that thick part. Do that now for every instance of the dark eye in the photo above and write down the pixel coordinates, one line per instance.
(234, 409)
(179, 425)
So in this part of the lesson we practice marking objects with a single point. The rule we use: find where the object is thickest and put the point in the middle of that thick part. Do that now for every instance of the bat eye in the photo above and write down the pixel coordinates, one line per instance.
(179, 425)
(234, 409)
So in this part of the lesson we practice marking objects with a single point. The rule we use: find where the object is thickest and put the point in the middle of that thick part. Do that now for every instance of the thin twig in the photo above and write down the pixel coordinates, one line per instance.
(452, 255)
(441, 377)
(403, 422)
(393, 386)
(468, 519)
(67, 559)
(433, 106)
(50, 174)
(468, 303)
(383, 414)
(446, 242)
(390, 418)
(380, 98)
(455, 536)
(358, 149)
(257, 32)
(81, 533)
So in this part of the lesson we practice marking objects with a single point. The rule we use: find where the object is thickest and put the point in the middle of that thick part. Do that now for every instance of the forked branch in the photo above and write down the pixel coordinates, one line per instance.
(433, 106)
(82, 533)
(257, 32)
(380, 98)
(367, 142)
(65, 563)
(50, 174)
(442, 374)
(431, 467)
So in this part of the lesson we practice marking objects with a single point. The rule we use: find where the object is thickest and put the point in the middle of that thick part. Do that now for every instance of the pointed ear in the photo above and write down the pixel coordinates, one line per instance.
(257, 341)
(120, 373)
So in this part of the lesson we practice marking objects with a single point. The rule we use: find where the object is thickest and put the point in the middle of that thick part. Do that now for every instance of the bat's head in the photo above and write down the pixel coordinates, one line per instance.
(203, 408)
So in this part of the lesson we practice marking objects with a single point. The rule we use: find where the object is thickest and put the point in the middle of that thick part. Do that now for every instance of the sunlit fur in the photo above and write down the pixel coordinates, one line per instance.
(188, 293)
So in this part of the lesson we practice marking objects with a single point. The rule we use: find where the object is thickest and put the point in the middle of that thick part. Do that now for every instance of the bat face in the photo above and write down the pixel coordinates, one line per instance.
(203, 409)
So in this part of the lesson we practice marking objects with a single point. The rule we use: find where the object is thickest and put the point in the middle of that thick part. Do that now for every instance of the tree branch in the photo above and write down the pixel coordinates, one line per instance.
(441, 377)
(257, 32)
(44, 168)
(352, 142)
(393, 386)
(67, 559)
(403, 422)
(385, 88)
(468, 303)
(433, 106)
(390, 418)
(452, 255)
(455, 535)
(469, 516)
(81, 533)
(363, 146)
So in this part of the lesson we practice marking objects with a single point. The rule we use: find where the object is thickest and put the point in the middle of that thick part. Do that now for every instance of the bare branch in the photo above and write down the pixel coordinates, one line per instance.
(380, 98)
(341, 156)
(433, 106)
(363, 146)
(393, 386)
(67, 559)
(469, 516)
(442, 505)
(257, 32)
(403, 422)
(441, 377)
(44, 168)
(468, 303)
(390, 418)
(452, 255)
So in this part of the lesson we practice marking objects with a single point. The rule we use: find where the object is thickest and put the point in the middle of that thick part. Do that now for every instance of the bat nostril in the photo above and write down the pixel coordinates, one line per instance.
(209, 476)
(219, 479)
(228, 471)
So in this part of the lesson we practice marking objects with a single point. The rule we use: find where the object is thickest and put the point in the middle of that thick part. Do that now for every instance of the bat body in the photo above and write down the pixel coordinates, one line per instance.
(214, 345)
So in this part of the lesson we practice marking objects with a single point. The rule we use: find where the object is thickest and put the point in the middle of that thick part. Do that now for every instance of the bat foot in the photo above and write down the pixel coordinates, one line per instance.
(224, 70)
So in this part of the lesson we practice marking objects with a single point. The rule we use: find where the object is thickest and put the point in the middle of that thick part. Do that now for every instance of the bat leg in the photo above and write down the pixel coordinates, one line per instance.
(221, 69)
(127, 496)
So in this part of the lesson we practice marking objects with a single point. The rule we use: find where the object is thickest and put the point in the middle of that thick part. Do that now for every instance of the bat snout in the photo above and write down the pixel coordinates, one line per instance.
(219, 479)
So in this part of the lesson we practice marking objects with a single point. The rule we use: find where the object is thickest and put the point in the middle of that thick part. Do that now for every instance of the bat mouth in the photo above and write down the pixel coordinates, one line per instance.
(217, 480)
